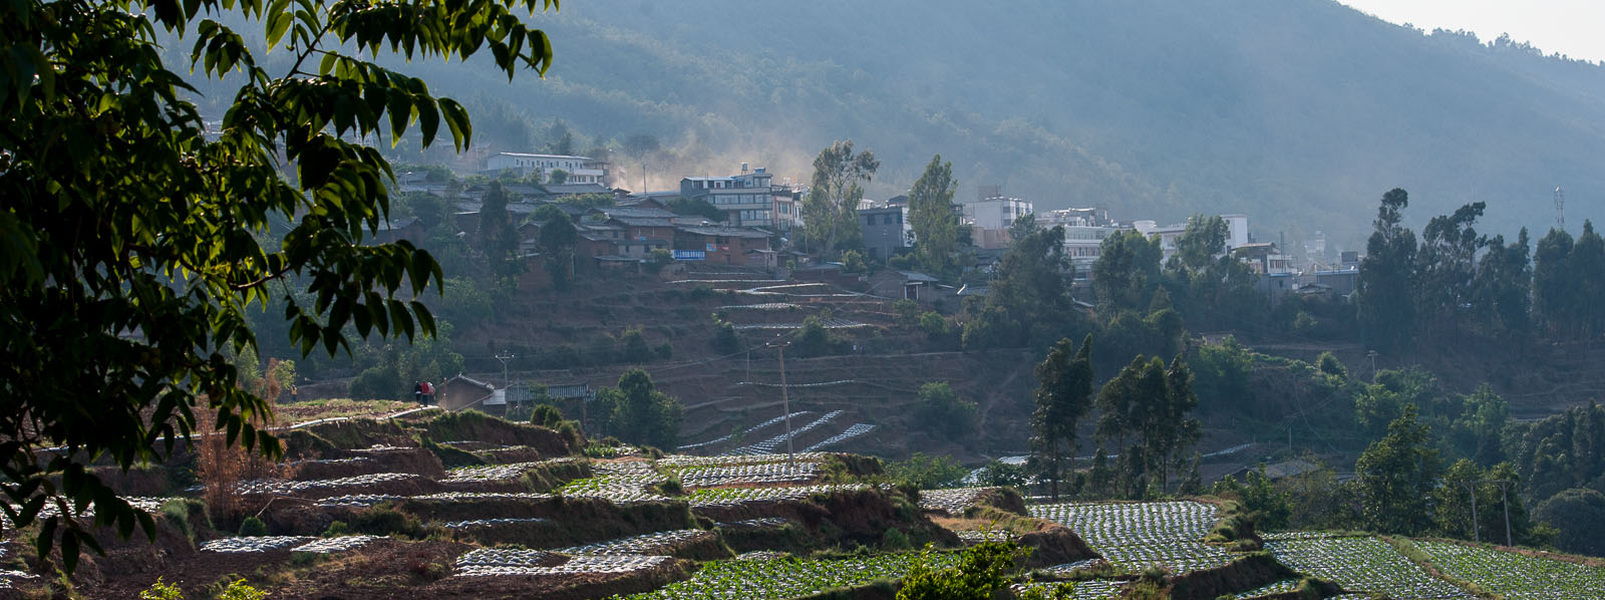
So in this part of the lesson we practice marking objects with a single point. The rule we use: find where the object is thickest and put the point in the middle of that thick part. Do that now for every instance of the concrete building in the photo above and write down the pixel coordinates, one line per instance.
(1236, 233)
(996, 212)
(580, 169)
(750, 199)
(886, 231)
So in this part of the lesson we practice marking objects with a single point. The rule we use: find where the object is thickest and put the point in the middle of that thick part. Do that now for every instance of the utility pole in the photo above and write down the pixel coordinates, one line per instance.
(1504, 492)
(504, 356)
(1372, 354)
(785, 399)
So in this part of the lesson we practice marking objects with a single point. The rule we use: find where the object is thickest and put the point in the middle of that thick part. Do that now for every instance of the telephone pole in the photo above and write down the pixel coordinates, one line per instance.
(785, 399)
(504, 356)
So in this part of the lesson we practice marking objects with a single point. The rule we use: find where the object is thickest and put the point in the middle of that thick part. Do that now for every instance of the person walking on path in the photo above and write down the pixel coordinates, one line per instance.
(429, 393)
(418, 392)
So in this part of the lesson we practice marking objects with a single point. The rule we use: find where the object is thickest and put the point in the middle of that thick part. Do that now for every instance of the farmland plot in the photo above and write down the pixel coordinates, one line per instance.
(1516, 576)
(788, 577)
(952, 501)
(733, 496)
(853, 431)
(1135, 536)
(1095, 589)
(768, 446)
(1363, 564)
(649, 544)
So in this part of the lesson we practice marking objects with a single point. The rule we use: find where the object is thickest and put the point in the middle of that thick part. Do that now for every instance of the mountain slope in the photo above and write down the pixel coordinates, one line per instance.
(1299, 112)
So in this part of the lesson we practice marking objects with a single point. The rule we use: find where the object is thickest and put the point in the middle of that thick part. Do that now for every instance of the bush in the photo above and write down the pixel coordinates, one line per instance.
(853, 262)
(253, 526)
(894, 539)
(387, 521)
(927, 472)
(381, 382)
(934, 325)
(337, 529)
(636, 350)
(162, 591)
(725, 338)
(941, 411)
(239, 590)
(907, 312)
(546, 415)
(657, 259)
(665, 351)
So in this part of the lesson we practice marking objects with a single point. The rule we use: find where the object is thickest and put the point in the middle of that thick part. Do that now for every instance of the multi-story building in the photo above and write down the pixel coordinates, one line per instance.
(996, 212)
(748, 200)
(1236, 233)
(580, 169)
(886, 231)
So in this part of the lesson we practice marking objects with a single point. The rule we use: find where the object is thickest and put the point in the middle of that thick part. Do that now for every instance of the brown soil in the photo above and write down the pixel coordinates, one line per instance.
(1248, 573)
(1056, 545)
(844, 518)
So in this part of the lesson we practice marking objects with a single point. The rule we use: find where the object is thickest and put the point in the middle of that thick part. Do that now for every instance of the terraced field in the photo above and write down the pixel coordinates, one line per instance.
(637, 528)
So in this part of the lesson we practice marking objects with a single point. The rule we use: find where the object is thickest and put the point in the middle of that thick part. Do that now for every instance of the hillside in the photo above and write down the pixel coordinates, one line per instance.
(1300, 113)
(435, 505)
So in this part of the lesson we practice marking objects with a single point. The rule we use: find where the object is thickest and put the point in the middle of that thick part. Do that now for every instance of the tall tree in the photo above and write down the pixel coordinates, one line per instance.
(1029, 302)
(1126, 272)
(556, 241)
(830, 212)
(497, 237)
(1503, 292)
(1554, 281)
(1134, 406)
(1063, 397)
(1446, 264)
(1397, 475)
(638, 413)
(935, 222)
(1588, 270)
(135, 240)
(1387, 278)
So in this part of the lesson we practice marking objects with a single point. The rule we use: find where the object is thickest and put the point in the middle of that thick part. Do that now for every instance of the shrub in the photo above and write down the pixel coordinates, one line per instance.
(941, 411)
(239, 590)
(906, 311)
(337, 529)
(665, 351)
(388, 521)
(636, 350)
(725, 338)
(546, 415)
(934, 325)
(657, 259)
(894, 539)
(375, 383)
(162, 591)
(252, 526)
(927, 472)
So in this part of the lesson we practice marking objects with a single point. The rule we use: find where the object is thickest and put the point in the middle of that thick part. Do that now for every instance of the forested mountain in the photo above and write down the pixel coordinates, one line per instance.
(1299, 112)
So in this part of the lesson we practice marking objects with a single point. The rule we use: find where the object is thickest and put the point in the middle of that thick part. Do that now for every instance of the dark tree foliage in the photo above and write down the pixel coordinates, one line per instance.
(1581, 514)
(1446, 265)
(1063, 397)
(638, 413)
(1588, 266)
(1126, 272)
(831, 209)
(556, 241)
(1561, 452)
(1029, 303)
(1502, 297)
(130, 234)
(935, 223)
(1397, 475)
(1555, 302)
(1148, 404)
(497, 237)
(1386, 287)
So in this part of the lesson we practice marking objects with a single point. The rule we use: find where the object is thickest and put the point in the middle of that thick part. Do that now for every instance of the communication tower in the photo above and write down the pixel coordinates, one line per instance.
(1560, 208)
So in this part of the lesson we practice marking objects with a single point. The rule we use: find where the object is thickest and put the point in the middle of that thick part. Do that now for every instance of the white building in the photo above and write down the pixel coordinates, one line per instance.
(580, 169)
(996, 212)
(1236, 233)
(750, 199)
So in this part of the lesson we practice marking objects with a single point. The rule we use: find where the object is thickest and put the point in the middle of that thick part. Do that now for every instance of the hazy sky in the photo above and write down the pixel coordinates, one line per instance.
(1570, 27)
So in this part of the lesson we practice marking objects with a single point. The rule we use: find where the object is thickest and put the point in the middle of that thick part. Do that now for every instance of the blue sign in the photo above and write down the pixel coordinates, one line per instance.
(690, 255)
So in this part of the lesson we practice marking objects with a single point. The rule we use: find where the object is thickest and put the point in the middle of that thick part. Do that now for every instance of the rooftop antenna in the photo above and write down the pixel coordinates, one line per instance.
(1560, 208)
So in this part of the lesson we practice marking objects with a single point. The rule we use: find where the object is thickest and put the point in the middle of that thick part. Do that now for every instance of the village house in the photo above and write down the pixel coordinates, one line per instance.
(722, 245)
(580, 169)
